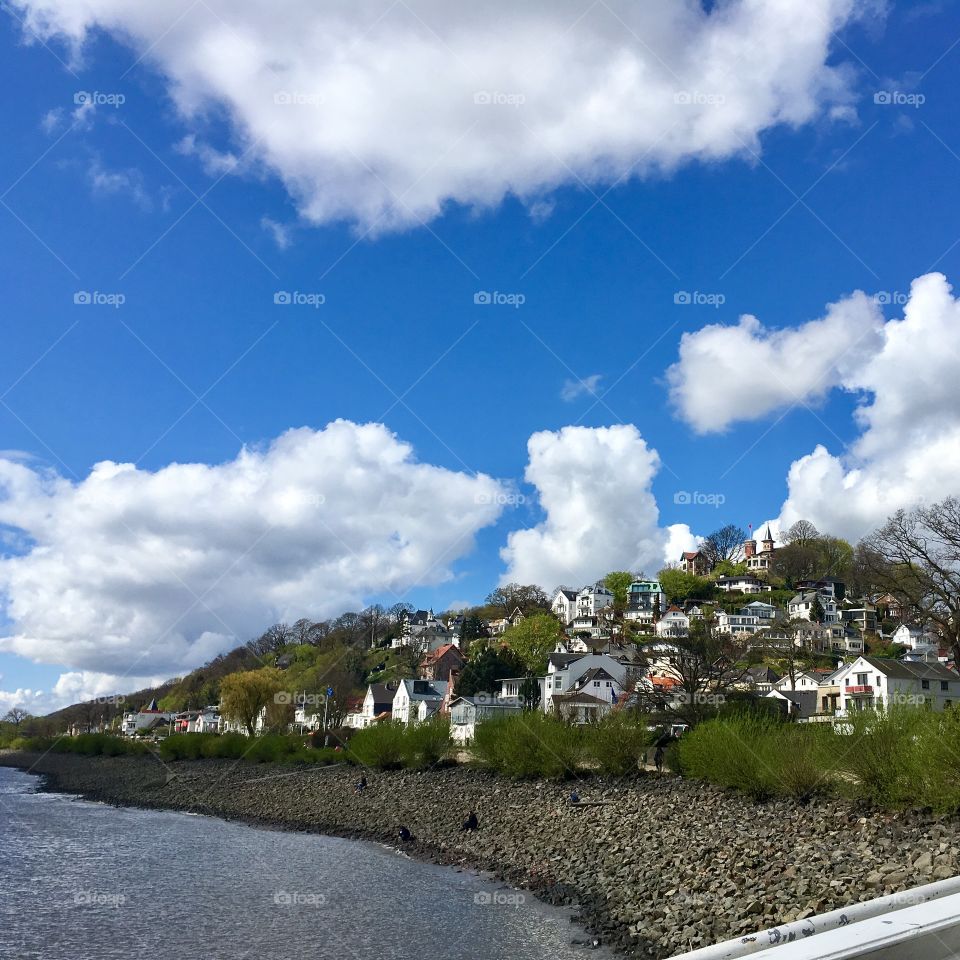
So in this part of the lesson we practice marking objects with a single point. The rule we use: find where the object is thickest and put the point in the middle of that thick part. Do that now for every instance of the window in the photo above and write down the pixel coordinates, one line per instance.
(925, 684)
(944, 685)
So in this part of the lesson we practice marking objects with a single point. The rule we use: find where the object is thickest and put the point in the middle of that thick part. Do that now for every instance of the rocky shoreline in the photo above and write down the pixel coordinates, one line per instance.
(657, 865)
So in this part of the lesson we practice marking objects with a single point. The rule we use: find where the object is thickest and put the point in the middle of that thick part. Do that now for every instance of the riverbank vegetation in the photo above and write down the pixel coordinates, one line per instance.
(905, 757)
(532, 745)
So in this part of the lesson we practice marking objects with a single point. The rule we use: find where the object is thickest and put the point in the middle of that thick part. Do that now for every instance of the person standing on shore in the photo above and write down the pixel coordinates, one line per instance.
(471, 823)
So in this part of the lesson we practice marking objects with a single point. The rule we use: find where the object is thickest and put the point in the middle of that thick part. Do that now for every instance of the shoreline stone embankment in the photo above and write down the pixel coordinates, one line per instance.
(657, 865)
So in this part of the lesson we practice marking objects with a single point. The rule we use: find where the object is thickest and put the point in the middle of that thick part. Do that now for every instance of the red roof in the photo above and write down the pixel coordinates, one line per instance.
(440, 652)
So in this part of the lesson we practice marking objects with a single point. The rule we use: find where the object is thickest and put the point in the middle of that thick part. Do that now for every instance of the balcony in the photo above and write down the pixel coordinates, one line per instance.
(863, 690)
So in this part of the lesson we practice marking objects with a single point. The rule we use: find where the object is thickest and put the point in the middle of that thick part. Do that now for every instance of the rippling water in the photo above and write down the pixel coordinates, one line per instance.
(85, 881)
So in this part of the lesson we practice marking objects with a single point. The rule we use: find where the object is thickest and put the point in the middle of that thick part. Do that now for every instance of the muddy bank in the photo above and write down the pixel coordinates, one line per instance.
(658, 865)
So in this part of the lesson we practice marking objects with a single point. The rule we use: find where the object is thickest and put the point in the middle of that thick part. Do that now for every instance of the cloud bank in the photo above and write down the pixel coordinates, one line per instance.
(143, 574)
(903, 371)
(909, 449)
(746, 372)
(381, 113)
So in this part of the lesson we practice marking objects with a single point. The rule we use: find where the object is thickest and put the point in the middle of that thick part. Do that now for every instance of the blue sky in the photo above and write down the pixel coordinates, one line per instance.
(199, 360)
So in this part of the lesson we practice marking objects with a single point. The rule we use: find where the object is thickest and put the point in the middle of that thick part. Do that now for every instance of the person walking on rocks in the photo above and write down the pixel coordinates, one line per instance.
(361, 784)
(471, 823)
(658, 758)
(405, 835)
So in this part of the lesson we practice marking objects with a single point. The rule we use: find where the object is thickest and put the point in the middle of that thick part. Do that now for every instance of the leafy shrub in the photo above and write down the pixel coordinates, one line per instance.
(381, 745)
(617, 744)
(879, 754)
(530, 745)
(426, 744)
(224, 746)
(936, 774)
(759, 755)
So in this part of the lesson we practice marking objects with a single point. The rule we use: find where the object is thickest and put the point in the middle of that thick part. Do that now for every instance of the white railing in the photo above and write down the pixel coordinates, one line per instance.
(918, 924)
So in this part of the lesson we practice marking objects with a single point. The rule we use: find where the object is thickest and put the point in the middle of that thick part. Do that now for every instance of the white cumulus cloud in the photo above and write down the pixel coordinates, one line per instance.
(147, 573)
(909, 448)
(594, 485)
(381, 113)
(745, 372)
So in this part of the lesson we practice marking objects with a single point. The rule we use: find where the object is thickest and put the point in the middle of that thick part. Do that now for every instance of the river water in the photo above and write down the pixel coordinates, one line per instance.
(85, 881)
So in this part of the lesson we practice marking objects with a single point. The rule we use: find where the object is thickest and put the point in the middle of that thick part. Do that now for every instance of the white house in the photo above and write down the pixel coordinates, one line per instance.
(912, 636)
(875, 683)
(499, 626)
(418, 700)
(566, 671)
(593, 599)
(674, 623)
(512, 687)
(742, 584)
(150, 717)
(747, 619)
(596, 627)
(830, 587)
(804, 681)
(801, 606)
(467, 712)
(425, 631)
(564, 605)
(206, 720)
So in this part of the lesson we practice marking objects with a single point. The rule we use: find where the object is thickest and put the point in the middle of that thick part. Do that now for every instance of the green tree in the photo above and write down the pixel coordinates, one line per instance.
(817, 613)
(533, 639)
(483, 673)
(618, 583)
(245, 695)
(471, 628)
(679, 585)
(530, 693)
(836, 557)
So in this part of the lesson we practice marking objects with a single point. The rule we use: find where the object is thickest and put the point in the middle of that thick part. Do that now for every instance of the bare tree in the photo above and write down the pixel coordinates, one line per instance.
(16, 716)
(803, 533)
(272, 639)
(915, 556)
(527, 596)
(701, 666)
(724, 544)
(303, 632)
(400, 611)
(375, 620)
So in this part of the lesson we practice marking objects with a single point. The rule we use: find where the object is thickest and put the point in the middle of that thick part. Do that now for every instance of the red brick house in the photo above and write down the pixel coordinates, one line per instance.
(438, 663)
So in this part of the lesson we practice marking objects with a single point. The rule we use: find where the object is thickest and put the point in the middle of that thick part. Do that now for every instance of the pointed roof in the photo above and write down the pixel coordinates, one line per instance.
(768, 536)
